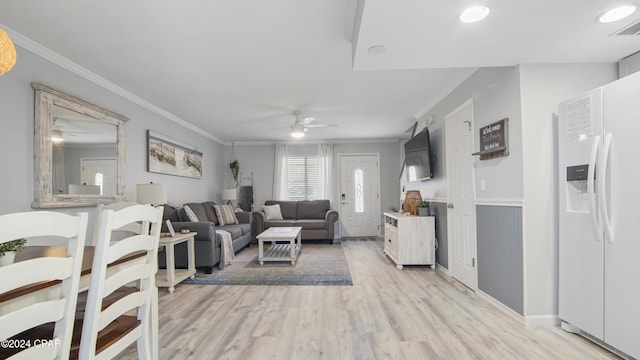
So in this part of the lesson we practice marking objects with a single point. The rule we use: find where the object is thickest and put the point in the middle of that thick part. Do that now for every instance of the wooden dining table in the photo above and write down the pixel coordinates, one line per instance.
(34, 293)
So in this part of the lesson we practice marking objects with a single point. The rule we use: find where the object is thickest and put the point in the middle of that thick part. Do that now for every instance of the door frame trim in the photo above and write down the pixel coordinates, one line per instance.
(473, 182)
(339, 187)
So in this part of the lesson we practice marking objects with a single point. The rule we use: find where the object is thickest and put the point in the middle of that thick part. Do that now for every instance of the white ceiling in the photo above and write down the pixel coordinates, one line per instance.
(237, 69)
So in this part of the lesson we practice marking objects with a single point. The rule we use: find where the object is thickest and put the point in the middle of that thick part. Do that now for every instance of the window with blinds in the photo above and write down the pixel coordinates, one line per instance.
(303, 178)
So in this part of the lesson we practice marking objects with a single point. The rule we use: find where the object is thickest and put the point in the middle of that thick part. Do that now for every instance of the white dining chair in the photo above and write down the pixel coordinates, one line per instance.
(108, 326)
(59, 309)
(117, 234)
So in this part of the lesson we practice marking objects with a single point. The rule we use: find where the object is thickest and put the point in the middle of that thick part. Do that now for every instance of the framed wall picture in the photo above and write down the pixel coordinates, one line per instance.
(169, 156)
(170, 227)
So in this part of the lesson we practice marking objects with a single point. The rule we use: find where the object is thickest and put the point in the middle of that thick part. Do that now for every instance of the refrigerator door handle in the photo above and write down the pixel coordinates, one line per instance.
(591, 191)
(603, 187)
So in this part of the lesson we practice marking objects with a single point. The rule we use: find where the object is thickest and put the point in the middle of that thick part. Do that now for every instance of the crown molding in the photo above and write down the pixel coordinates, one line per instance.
(314, 142)
(47, 54)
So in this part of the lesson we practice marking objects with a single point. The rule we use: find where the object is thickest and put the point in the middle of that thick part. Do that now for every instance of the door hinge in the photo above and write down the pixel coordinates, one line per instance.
(473, 262)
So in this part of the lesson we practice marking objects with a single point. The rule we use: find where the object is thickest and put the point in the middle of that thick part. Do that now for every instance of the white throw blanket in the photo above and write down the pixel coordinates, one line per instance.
(226, 248)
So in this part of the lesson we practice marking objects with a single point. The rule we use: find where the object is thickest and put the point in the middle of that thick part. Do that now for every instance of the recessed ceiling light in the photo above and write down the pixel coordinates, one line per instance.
(377, 49)
(474, 13)
(617, 13)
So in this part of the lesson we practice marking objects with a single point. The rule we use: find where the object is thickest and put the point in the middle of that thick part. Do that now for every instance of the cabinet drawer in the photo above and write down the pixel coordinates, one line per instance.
(391, 243)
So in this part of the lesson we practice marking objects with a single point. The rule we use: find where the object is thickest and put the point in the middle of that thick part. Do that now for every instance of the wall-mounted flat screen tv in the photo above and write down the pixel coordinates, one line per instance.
(417, 155)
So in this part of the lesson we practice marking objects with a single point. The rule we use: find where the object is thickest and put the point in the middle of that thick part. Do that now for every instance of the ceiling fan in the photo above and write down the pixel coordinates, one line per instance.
(301, 126)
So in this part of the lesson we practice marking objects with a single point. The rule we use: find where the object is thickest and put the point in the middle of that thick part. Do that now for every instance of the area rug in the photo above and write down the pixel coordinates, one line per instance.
(317, 264)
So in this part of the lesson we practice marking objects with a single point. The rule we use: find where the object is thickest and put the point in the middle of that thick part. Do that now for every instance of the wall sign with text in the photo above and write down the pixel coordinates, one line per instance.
(494, 140)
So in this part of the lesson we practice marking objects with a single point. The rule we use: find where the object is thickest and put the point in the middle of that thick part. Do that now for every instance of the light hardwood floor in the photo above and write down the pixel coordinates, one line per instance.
(414, 313)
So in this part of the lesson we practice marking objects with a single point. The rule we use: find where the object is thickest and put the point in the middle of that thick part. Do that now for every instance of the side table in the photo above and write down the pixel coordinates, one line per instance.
(171, 276)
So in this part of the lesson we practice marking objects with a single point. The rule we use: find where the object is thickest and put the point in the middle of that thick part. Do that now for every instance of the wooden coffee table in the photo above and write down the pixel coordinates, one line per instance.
(289, 251)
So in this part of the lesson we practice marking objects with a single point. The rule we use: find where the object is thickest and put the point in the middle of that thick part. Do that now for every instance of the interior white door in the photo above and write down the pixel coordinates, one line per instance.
(461, 212)
(108, 167)
(359, 195)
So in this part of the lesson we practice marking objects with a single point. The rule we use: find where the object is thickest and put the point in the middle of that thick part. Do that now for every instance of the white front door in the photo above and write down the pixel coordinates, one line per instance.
(359, 195)
(107, 167)
(461, 213)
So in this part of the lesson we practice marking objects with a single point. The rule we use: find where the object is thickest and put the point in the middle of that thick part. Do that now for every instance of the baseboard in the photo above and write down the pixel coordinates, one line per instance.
(541, 320)
(507, 310)
(441, 268)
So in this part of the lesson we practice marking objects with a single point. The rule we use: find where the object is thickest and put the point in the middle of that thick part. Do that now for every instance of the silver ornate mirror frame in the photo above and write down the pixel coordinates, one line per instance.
(45, 98)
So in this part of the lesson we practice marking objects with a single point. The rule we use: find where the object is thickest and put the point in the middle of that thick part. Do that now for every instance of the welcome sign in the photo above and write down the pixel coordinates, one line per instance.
(494, 140)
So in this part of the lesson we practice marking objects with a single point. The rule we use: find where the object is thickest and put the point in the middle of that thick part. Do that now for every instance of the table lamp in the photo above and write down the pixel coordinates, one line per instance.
(229, 194)
(153, 194)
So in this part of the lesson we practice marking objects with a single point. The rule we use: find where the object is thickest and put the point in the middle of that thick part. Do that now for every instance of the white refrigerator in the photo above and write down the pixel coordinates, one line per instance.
(599, 214)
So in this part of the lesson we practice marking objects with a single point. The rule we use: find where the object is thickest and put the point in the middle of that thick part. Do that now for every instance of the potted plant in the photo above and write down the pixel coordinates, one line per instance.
(235, 170)
(8, 250)
(423, 208)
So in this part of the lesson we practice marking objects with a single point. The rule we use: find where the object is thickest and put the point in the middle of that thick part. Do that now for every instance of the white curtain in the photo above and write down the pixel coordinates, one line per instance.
(325, 161)
(280, 173)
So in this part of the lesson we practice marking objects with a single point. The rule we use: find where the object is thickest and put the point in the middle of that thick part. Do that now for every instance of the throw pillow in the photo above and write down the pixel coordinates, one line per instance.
(190, 214)
(272, 212)
(226, 215)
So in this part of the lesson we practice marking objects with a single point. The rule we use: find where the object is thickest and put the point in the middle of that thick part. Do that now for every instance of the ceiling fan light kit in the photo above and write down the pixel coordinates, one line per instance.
(297, 131)
(56, 136)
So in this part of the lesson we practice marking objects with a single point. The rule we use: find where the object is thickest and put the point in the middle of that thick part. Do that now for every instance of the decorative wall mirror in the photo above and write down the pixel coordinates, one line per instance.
(79, 151)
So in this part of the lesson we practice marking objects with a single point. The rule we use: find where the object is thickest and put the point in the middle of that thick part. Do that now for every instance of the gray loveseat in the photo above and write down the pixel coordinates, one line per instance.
(314, 216)
(207, 242)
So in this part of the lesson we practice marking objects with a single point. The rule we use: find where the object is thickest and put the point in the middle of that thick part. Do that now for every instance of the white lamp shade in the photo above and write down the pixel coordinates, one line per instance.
(229, 194)
(154, 194)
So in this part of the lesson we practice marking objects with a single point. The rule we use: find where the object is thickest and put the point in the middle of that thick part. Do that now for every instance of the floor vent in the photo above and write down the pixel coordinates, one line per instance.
(633, 29)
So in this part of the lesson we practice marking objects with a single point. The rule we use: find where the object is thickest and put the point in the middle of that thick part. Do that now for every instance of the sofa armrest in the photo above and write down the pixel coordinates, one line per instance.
(330, 217)
(206, 230)
(244, 217)
(258, 221)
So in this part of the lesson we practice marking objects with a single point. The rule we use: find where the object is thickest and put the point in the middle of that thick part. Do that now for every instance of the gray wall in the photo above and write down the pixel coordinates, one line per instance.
(16, 139)
(500, 262)
(439, 209)
(496, 95)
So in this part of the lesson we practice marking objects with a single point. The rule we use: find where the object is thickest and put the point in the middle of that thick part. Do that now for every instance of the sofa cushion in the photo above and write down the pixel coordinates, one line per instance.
(287, 208)
(234, 230)
(311, 224)
(169, 213)
(211, 213)
(280, 223)
(272, 212)
(246, 228)
(225, 214)
(190, 214)
(312, 209)
(198, 211)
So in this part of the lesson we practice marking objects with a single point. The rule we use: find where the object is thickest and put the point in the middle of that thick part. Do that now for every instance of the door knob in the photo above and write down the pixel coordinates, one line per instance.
(449, 206)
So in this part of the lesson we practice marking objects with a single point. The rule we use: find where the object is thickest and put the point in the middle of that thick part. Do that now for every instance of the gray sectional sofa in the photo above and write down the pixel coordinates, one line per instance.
(315, 217)
(207, 242)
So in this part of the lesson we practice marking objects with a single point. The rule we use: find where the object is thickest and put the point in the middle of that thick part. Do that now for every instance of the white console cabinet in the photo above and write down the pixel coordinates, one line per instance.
(409, 240)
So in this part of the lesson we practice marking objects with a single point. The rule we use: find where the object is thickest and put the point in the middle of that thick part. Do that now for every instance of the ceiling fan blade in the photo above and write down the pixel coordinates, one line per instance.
(320, 125)
(309, 120)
